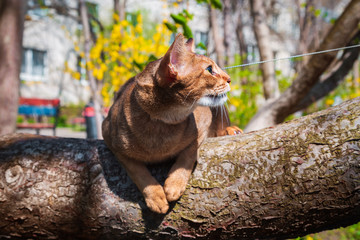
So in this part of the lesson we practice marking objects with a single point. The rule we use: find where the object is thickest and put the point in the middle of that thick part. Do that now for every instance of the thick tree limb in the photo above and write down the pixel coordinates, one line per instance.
(331, 80)
(299, 177)
(276, 111)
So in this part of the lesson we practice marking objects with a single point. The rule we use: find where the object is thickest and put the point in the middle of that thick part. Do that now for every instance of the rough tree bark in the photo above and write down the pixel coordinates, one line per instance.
(11, 31)
(92, 81)
(282, 182)
(262, 35)
(276, 111)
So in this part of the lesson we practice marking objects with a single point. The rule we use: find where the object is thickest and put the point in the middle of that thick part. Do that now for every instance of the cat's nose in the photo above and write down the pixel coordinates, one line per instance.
(228, 80)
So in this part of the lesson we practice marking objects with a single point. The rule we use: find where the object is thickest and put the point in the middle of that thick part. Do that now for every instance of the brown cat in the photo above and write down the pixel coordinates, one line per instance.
(163, 112)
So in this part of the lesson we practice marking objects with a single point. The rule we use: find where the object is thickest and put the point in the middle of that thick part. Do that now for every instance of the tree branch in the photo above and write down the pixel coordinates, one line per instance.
(282, 182)
(331, 80)
(276, 111)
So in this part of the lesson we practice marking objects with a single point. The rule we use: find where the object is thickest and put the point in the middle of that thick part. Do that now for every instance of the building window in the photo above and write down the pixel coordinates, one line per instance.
(33, 65)
(201, 41)
(93, 9)
(38, 9)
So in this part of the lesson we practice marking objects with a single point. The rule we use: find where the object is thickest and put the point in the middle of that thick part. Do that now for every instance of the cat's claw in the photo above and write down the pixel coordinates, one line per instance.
(155, 199)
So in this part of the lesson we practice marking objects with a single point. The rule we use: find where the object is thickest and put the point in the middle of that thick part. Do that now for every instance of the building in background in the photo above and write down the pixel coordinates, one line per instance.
(48, 46)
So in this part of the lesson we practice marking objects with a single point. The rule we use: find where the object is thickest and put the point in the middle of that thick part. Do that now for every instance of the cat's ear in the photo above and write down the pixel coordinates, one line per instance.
(190, 45)
(176, 50)
(173, 61)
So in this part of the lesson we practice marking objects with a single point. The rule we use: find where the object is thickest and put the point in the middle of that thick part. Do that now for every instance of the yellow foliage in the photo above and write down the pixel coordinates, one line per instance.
(329, 101)
(124, 53)
(116, 17)
(76, 75)
(121, 54)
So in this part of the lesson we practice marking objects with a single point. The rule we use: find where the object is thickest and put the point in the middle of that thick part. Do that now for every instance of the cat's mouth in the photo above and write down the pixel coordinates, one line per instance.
(213, 100)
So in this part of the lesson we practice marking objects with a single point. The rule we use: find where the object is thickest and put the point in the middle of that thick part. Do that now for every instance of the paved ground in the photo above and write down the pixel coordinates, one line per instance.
(60, 132)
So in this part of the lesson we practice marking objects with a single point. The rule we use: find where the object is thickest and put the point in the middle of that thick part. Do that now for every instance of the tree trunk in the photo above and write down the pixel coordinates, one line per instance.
(11, 31)
(262, 35)
(218, 43)
(299, 177)
(93, 85)
(277, 110)
(229, 60)
(240, 34)
(119, 8)
(305, 33)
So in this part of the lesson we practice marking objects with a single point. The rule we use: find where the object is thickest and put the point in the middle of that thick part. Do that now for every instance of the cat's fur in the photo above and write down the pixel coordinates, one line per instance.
(160, 113)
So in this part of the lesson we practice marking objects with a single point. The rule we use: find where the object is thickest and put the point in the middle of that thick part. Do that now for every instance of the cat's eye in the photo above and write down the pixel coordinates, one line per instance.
(209, 69)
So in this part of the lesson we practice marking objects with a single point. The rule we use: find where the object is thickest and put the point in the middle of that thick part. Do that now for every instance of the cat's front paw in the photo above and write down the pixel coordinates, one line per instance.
(155, 199)
(233, 130)
(174, 188)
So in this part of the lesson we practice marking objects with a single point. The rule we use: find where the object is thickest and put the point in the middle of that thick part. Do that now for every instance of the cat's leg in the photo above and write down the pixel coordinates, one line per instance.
(152, 191)
(180, 173)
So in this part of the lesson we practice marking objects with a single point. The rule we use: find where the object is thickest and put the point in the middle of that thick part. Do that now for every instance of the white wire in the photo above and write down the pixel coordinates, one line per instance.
(295, 56)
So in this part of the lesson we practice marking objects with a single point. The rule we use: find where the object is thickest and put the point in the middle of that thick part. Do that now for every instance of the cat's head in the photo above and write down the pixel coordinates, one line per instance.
(194, 79)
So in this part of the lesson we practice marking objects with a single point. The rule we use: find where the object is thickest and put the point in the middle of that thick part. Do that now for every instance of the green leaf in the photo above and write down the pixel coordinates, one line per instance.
(216, 4)
(152, 58)
(317, 12)
(325, 15)
(178, 19)
(140, 66)
(171, 27)
(202, 1)
(201, 45)
(187, 31)
(188, 15)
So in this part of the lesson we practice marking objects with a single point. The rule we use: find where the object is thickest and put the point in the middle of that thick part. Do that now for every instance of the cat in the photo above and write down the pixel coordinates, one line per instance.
(167, 111)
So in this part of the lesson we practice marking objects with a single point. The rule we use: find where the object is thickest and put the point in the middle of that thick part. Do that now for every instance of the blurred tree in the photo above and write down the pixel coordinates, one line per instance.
(277, 110)
(218, 41)
(12, 14)
(228, 25)
(239, 6)
(119, 9)
(93, 84)
(331, 80)
(306, 19)
(262, 34)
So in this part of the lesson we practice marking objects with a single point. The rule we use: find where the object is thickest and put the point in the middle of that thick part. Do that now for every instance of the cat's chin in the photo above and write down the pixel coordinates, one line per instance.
(213, 100)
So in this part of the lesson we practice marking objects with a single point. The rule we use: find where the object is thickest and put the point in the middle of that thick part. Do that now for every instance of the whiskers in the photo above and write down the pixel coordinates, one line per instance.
(224, 114)
(192, 105)
(188, 94)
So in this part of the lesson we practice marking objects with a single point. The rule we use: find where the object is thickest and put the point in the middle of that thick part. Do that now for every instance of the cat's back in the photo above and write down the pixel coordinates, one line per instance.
(116, 113)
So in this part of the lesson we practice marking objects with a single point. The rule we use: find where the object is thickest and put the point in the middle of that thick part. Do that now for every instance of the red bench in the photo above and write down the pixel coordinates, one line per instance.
(39, 111)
